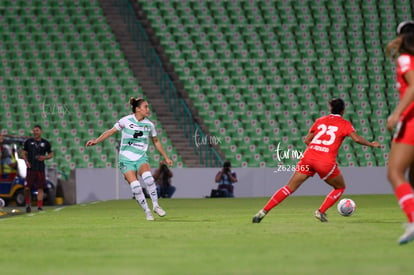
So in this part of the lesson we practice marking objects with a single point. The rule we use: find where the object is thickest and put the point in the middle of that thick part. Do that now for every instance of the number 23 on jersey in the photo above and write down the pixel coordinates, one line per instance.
(323, 129)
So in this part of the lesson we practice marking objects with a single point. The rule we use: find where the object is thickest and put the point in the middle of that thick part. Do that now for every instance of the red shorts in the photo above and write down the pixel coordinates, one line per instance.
(405, 132)
(325, 170)
(35, 179)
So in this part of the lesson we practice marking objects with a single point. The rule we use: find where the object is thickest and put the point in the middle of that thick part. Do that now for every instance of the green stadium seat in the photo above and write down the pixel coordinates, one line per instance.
(63, 59)
(270, 63)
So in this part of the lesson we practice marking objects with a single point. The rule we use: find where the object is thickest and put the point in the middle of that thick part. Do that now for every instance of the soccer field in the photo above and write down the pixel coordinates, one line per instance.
(207, 236)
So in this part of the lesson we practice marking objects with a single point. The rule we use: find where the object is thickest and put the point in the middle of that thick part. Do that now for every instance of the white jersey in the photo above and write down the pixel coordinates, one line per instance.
(135, 137)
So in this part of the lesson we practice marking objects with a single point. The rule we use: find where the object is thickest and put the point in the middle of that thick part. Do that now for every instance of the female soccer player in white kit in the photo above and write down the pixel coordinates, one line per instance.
(136, 130)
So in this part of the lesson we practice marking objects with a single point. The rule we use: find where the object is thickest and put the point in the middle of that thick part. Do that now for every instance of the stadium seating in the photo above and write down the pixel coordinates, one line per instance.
(62, 68)
(260, 72)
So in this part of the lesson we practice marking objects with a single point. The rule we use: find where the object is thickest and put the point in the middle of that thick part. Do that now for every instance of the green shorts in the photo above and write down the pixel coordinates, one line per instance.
(126, 165)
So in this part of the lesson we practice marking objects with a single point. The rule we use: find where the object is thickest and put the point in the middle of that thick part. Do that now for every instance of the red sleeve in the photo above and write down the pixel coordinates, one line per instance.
(405, 63)
(349, 128)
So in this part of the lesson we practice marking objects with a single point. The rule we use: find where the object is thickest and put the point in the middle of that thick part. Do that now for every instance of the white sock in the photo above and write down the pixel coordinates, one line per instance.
(152, 189)
(139, 195)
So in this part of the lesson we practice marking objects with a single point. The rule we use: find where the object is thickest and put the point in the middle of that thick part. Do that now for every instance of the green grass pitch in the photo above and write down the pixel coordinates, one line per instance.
(207, 236)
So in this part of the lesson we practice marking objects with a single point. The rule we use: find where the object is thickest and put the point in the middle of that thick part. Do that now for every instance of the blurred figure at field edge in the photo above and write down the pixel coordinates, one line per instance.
(35, 151)
(401, 159)
(323, 141)
(8, 163)
(226, 178)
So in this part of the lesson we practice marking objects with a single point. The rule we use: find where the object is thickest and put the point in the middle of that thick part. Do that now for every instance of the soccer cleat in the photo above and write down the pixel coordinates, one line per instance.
(159, 211)
(28, 209)
(259, 216)
(149, 216)
(408, 235)
(321, 216)
(40, 209)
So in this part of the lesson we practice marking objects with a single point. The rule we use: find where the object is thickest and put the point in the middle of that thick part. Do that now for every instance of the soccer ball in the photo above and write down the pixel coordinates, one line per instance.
(346, 207)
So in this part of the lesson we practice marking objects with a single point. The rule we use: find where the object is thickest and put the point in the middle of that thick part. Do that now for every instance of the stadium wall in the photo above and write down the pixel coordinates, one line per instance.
(108, 184)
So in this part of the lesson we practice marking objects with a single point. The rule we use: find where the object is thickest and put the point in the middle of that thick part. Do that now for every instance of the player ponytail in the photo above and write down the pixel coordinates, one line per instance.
(135, 102)
(393, 48)
(404, 42)
(337, 106)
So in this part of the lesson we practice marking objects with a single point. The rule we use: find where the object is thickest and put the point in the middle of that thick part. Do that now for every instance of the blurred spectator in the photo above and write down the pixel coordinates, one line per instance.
(226, 179)
(162, 176)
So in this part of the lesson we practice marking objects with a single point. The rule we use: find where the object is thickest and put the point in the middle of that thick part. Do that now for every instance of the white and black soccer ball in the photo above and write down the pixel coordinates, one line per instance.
(346, 207)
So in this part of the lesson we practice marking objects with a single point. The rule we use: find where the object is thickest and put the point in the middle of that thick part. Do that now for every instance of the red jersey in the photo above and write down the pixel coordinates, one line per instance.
(329, 133)
(405, 63)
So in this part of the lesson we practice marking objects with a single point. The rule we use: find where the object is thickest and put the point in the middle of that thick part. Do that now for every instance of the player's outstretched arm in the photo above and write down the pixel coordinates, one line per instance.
(360, 140)
(102, 137)
(160, 149)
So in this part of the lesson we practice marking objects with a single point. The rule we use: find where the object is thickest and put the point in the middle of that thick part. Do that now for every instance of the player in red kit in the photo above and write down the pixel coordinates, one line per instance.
(324, 139)
(401, 158)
